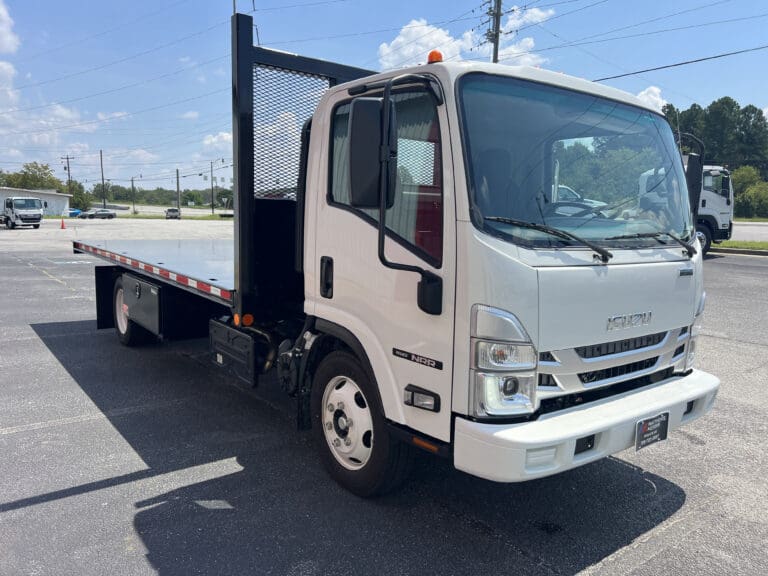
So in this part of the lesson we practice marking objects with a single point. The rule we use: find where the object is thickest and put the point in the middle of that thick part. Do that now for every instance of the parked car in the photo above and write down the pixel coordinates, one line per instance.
(172, 213)
(74, 212)
(100, 213)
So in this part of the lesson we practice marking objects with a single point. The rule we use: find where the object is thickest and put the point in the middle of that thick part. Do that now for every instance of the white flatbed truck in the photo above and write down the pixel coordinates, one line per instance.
(401, 257)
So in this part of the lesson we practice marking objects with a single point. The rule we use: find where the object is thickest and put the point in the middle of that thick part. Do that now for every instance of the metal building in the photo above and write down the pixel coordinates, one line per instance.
(54, 204)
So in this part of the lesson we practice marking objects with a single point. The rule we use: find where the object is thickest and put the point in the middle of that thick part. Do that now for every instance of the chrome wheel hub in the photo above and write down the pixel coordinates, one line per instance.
(347, 423)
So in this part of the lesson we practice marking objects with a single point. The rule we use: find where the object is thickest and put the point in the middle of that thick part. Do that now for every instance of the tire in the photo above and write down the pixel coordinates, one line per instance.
(110, 216)
(128, 332)
(705, 237)
(13, 224)
(362, 456)
(35, 226)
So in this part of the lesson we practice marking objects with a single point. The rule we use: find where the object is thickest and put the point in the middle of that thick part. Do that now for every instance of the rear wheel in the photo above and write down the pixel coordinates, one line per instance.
(704, 236)
(350, 429)
(128, 332)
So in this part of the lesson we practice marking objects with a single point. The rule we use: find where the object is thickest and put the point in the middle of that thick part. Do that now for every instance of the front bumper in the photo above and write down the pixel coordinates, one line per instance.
(518, 452)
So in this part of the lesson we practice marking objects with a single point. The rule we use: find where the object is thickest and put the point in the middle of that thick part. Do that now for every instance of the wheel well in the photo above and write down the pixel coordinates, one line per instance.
(707, 221)
(331, 337)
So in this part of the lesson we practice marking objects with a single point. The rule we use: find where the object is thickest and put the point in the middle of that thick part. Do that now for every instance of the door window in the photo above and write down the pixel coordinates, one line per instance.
(416, 217)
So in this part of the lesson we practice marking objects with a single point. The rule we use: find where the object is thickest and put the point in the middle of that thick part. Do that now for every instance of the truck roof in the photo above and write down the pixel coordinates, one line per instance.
(454, 70)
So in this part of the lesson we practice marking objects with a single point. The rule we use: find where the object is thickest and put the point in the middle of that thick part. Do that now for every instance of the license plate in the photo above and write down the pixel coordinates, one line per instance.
(651, 430)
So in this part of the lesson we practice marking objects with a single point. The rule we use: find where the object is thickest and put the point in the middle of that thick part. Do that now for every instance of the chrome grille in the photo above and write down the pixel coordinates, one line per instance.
(571, 372)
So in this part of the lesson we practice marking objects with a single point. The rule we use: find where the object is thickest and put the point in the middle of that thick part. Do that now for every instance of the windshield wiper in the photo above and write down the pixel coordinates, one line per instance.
(688, 247)
(604, 254)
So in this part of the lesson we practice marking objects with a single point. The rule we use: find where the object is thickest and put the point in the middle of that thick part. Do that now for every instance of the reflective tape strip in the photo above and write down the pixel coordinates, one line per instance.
(179, 279)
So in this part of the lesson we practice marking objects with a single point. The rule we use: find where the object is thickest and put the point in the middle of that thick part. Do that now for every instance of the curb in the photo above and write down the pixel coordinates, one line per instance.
(747, 251)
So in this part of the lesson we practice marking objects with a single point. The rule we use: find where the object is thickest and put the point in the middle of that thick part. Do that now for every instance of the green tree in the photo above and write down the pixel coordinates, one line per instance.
(79, 198)
(752, 137)
(744, 177)
(33, 176)
(720, 131)
(757, 195)
(692, 121)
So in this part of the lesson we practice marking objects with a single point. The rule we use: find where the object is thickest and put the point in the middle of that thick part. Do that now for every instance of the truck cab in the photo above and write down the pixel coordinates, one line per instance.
(715, 215)
(19, 211)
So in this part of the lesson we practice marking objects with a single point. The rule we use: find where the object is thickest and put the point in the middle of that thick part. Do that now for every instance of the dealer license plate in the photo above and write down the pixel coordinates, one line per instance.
(651, 430)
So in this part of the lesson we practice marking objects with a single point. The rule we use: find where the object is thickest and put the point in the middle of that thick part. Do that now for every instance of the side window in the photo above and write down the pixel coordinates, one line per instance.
(417, 214)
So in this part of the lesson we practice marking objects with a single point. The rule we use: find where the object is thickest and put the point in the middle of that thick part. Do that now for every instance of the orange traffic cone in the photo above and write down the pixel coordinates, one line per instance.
(63, 226)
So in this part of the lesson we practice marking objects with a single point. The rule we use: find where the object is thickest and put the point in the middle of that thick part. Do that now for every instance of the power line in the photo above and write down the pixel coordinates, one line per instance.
(517, 30)
(119, 88)
(122, 115)
(684, 63)
(648, 33)
(405, 45)
(99, 34)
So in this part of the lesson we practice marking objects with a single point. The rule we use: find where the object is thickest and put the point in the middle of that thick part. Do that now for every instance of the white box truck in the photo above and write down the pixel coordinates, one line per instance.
(22, 211)
(404, 258)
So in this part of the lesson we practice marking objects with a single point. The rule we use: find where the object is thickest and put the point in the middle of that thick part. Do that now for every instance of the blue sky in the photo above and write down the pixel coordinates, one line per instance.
(148, 81)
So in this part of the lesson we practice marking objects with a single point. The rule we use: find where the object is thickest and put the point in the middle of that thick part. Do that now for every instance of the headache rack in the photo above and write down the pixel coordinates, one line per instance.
(274, 95)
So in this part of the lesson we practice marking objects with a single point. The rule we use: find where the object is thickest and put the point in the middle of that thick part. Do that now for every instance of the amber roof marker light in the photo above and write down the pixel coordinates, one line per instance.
(434, 57)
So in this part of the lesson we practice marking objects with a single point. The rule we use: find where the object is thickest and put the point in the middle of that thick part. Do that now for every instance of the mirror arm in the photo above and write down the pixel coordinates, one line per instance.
(430, 291)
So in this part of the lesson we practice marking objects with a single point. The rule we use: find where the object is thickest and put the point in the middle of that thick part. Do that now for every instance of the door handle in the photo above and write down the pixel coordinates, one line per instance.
(326, 277)
(704, 203)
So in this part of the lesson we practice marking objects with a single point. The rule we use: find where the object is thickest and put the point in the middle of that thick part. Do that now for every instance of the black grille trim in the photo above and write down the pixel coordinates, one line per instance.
(547, 380)
(627, 345)
(562, 402)
(615, 371)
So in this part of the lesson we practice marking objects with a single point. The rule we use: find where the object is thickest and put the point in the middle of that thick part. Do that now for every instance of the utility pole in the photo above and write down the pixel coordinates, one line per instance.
(178, 192)
(69, 172)
(133, 195)
(494, 33)
(212, 192)
(103, 187)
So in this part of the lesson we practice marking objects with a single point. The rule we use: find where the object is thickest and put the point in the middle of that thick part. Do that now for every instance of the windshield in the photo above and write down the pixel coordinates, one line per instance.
(606, 171)
(27, 204)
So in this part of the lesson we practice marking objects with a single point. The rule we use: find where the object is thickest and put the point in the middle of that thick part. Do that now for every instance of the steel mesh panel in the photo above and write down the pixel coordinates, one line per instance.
(282, 101)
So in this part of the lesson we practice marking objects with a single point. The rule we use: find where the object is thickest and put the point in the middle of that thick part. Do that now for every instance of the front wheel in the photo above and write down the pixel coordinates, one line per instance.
(350, 429)
(35, 226)
(705, 237)
(128, 332)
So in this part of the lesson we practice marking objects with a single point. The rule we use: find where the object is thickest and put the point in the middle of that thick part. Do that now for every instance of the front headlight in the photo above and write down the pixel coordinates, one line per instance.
(695, 330)
(503, 376)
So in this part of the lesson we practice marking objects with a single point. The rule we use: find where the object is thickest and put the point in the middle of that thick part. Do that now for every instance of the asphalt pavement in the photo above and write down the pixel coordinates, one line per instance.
(750, 231)
(151, 461)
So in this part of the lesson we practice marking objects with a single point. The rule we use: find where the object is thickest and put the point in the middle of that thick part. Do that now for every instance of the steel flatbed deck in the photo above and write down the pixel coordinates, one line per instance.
(204, 267)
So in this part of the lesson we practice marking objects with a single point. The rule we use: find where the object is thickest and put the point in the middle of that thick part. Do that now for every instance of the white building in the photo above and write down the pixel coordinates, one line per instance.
(54, 204)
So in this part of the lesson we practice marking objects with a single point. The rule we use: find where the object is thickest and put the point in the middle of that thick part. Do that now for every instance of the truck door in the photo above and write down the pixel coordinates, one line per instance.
(718, 197)
(377, 304)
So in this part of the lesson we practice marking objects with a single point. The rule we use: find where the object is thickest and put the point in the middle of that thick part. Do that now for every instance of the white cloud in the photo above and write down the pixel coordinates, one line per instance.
(9, 41)
(652, 97)
(106, 116)
(190, 115)
(186, 60)
(8, 96)
(220, 141)
(765, 112)
(417, 38)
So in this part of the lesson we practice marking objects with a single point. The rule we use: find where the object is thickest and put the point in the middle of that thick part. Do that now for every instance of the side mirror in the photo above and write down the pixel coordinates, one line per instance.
(365, 138)
(726, 186)
(693, 178)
